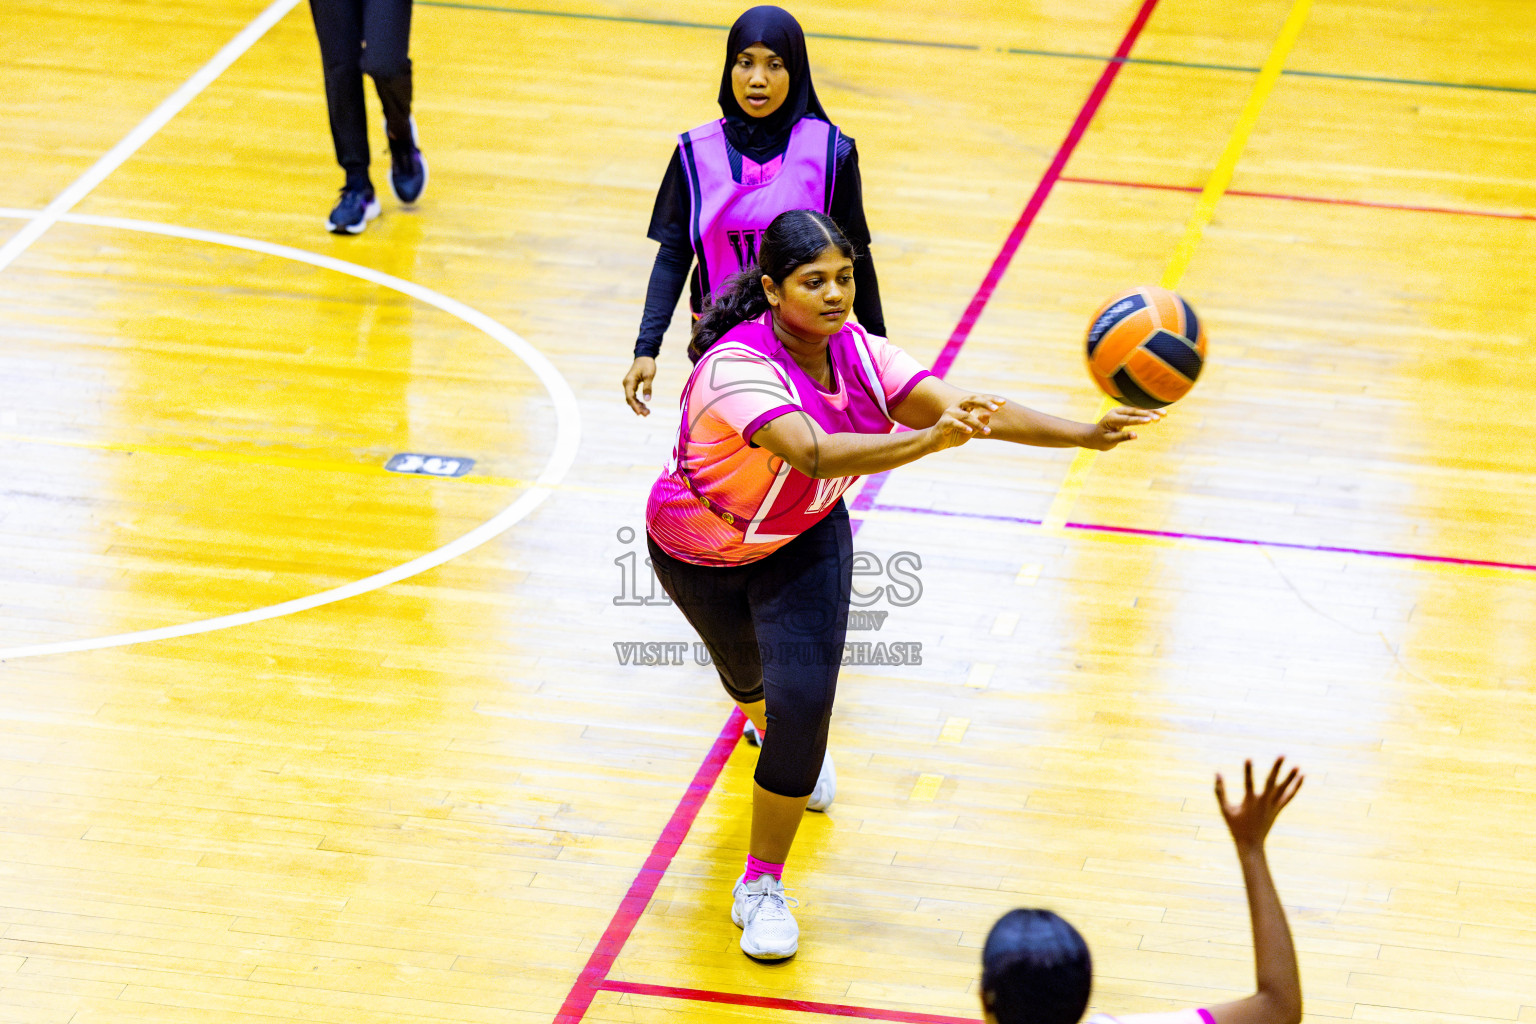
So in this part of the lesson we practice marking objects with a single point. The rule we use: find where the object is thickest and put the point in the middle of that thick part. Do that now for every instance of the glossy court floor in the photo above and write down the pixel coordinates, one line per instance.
(286, 736)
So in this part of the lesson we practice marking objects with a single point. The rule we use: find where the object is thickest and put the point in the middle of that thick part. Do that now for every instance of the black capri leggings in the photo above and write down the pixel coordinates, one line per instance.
(775, 629)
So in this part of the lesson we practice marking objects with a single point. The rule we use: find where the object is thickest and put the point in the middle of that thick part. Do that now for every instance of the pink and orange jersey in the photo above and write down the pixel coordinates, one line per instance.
(723, 501)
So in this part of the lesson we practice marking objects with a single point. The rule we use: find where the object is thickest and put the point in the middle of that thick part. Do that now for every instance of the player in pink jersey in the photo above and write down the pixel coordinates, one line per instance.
(773, 149)
(1035, 967)
(787, 406)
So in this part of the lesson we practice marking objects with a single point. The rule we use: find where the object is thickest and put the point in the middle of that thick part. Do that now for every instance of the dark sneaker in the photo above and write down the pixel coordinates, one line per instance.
(353, 211)
(407, 167)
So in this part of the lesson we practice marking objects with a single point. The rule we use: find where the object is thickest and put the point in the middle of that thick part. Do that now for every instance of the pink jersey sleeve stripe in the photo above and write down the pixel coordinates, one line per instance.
(906, 389)
(1207, 1016)
(758, 421)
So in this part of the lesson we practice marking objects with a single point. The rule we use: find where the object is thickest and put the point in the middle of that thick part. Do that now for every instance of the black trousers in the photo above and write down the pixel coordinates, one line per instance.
(775, 629)
(359, 37)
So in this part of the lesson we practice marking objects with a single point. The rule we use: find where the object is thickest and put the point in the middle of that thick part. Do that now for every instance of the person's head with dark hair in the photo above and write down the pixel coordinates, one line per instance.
(804, 273)
(766, 86)
(1035, 969)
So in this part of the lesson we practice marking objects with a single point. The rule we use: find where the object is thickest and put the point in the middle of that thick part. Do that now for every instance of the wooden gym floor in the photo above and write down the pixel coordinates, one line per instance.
(287, 736)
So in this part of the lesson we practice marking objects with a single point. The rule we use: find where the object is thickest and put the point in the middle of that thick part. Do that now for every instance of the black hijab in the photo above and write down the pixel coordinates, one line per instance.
(762, 138)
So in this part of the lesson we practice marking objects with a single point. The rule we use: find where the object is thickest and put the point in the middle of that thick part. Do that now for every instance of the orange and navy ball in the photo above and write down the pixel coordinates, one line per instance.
(1146, 347)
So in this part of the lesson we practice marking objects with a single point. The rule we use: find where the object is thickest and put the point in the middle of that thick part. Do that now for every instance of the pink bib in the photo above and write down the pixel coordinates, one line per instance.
(729, 216)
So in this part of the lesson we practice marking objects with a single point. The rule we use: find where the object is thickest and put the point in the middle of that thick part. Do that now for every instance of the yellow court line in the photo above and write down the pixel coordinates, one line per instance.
(1221, 178)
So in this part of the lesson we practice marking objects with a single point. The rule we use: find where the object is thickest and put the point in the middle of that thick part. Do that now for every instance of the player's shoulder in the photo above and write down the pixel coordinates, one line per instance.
(860, 333)
(877, 345)
(749, 340)
(847, 149)
(731, 362)
(704, 131)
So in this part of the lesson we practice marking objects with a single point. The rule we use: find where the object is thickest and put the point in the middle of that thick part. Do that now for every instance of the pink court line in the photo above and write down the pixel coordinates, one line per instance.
(1305, 199)
(1406, 556)
(870, 492)
(773, 1003)
(594, 976)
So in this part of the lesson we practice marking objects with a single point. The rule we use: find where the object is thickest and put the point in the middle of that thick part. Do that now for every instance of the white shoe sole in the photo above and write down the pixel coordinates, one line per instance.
(370, 211)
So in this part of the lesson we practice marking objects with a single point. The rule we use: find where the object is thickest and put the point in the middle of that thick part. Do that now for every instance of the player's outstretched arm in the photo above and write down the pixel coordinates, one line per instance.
(1278, 999)
(797, 439)
(1021, 424)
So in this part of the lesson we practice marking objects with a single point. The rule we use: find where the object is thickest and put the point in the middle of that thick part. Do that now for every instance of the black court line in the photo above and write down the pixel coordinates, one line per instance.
(1294, 72)
(973, 47)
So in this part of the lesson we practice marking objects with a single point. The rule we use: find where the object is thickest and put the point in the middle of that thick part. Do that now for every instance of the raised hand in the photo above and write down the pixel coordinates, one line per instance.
(1277, 995)
(1250, 819)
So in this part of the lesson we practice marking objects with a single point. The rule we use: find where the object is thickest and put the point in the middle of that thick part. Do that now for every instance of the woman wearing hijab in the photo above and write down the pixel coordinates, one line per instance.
(774, 149)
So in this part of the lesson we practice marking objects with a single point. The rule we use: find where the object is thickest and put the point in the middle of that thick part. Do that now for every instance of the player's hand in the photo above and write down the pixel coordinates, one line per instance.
(1116, 427)
(970, 417)
(1250, 819)
(637, 384)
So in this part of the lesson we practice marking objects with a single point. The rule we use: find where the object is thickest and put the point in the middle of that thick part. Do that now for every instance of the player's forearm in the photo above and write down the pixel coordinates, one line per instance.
(1274, 954)
(1023, 425)
(840, 455)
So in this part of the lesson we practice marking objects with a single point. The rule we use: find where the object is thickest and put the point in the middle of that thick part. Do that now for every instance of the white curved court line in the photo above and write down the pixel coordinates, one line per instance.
(567, 438)
(115, 157)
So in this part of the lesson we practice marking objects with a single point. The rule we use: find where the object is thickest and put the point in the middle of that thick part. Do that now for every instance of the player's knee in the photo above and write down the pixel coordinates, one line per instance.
(340, 70)
(382, 67)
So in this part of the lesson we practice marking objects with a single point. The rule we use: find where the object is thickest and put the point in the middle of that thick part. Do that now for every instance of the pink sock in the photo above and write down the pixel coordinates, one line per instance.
(758, 868)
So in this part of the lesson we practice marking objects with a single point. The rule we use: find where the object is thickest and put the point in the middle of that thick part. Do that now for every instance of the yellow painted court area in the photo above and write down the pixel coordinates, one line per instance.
(287, 736)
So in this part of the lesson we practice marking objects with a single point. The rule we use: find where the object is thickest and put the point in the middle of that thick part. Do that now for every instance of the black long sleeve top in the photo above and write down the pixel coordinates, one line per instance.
(674, 258)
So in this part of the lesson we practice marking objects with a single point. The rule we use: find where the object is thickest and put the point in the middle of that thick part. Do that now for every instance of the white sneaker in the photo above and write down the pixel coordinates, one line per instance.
(826, 786)
(761, 910)
(751, 735)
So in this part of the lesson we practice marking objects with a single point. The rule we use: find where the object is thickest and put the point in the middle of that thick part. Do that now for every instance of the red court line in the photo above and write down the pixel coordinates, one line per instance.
(1305, 199)
(771, 1003)
(593, 976)
(579, 999)
(870, 492)
(989, 283)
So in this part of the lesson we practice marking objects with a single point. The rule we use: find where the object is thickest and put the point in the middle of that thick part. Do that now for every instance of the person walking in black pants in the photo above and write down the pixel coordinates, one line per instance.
(370, 37)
